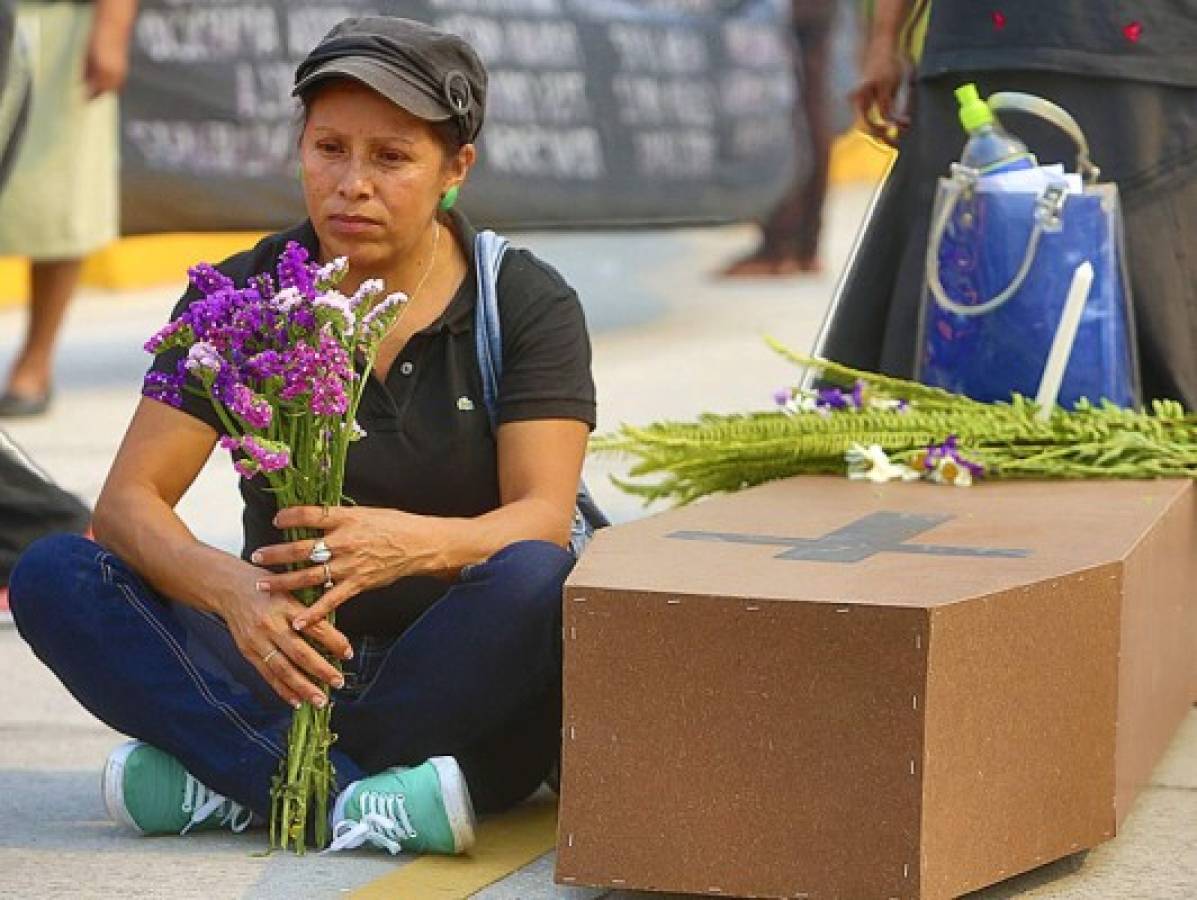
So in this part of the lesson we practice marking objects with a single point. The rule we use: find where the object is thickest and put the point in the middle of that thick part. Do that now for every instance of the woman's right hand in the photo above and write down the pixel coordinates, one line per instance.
(163, 451)
(260, 624)
(874, 98)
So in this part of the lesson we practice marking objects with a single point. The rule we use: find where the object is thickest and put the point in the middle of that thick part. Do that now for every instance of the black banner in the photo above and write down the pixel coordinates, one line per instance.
(600, 112)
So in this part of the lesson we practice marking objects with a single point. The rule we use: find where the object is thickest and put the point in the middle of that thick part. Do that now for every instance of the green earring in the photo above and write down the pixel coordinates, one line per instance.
(449, 198)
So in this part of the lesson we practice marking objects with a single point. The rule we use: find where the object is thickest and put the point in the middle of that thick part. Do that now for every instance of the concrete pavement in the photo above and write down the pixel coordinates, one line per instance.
(669, 341)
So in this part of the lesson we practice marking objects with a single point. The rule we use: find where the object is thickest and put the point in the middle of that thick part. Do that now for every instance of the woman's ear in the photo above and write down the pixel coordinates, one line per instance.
(459, 166)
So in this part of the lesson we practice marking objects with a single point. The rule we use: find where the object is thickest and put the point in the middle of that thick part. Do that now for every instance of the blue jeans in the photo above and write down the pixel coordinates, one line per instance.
(477, 677)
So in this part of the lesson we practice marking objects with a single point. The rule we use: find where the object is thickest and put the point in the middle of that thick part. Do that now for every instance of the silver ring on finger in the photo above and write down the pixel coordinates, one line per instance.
(269, 656)
(328, 579)
(320, 553)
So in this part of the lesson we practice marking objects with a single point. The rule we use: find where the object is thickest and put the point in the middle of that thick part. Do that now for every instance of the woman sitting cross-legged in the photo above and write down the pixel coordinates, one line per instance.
(447, 567)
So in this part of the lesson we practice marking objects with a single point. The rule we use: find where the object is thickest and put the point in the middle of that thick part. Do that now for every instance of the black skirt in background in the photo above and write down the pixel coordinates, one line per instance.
(1142, 135)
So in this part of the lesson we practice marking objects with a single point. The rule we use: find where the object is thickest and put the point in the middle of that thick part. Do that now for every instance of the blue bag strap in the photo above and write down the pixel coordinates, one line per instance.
(489, 250)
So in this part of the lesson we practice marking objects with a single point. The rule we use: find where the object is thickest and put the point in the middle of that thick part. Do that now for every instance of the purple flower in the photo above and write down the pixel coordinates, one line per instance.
(831, 398)
(252, 408)
(209, 315)
(329, 398)
(209, 280)
(251, 320)
(294, 271)
(264, 284)
(203, 360)
(257, 454)
(264, 365)
(375, 324)
(323, 372)
(299, 372)
(781, 396)
(333, 356)
(274, 348)
(174, 334)
(246, 468)
(164, 387)
(835, 398)
(948, 451)
(331, 274)
(337, 308)
(333, 371)
(222, 387)
(288, 299)
(366, 295)
(270, 456)
(304, 319)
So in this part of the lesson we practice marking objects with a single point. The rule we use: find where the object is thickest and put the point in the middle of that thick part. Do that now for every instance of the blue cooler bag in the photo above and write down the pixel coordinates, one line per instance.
(999, 265)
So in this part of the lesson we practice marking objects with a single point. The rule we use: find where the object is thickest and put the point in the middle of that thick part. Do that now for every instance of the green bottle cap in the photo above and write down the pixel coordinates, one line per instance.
(974, 112)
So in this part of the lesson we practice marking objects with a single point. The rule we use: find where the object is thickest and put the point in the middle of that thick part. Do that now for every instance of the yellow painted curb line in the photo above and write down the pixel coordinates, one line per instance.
(505, 843)
(135, 263)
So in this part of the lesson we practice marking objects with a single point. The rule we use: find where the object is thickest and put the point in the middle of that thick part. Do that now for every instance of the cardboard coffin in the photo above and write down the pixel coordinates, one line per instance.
(823, 688)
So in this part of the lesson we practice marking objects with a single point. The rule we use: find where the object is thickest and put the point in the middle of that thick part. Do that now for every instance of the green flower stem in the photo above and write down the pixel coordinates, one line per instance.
(307, 773)
(307, 776)
(322, 774)
(297, 754)
(309, 726)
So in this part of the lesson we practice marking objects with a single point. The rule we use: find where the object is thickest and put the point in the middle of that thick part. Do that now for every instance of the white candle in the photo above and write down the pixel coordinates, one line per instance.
(1057, 357)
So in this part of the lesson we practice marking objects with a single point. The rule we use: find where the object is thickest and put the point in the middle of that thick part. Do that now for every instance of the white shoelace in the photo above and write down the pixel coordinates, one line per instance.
(202, 802)
(384, 823)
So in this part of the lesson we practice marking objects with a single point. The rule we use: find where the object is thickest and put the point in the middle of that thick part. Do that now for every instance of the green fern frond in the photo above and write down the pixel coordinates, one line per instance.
(683, 461)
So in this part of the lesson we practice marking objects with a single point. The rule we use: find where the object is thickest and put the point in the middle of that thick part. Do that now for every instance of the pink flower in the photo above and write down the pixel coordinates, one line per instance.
(270, 456)
(246, 468)
(254, 409)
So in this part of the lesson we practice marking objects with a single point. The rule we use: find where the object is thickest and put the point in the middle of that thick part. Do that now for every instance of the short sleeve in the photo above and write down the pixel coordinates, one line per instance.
(168, 363)
(546, 346)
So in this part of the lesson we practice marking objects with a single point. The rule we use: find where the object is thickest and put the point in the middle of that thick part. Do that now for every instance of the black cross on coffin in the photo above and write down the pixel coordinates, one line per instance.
(879, 532)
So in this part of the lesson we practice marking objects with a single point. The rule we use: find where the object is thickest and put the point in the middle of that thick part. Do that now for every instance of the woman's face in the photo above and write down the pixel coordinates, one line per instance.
(373, 175)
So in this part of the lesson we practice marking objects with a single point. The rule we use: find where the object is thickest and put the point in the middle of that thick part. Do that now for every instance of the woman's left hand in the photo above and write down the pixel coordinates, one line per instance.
(370, 548)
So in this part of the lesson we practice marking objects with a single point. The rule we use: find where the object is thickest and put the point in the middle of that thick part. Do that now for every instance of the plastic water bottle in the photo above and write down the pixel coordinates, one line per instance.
(990, 148)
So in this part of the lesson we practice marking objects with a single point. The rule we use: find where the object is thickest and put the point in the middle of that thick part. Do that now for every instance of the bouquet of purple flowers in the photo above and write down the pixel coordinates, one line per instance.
(276, 360)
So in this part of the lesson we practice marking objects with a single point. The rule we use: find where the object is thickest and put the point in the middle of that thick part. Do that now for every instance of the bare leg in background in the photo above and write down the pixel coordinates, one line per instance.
(790, 236)
(53, 284)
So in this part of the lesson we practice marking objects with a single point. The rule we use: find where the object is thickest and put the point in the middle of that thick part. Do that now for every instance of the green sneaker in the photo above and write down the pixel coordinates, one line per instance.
(422, 810)
(151, 792)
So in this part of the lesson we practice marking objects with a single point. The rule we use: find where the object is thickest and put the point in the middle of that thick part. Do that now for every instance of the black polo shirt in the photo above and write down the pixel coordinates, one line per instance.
(428, 447)
(1153, 41)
